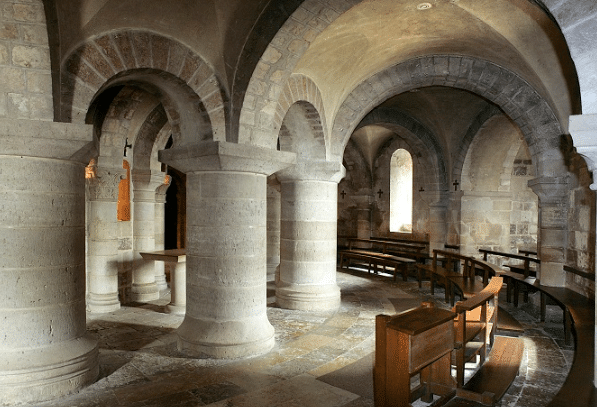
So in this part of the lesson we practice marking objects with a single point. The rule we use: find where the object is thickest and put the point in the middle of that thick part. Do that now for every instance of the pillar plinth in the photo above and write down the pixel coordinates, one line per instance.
(226, 247)
(308, 238)
(102, 270)
(45, 352)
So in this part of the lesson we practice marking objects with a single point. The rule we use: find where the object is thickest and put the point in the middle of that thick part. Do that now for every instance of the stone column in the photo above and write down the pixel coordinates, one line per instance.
(583, 129)
(102, 270)
(455, 232)
(144, 287)
(438, 211)
(552, 228)
(273, 226)
(308, 237)
(45, 352)
(363, 216)
(158, 228)
(226, 247)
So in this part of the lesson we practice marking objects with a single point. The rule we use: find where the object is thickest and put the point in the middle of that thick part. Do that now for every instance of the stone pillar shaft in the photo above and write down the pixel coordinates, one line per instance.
(144, 287)
(226, 247)
(103, 246)
(159, 231)
(226, 285)
(583, 129)
(45, 352)
(273, 227)
(552, 228)
(308, 238)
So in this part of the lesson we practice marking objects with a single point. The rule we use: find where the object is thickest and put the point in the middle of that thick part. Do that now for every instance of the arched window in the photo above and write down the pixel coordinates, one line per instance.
(401, 192)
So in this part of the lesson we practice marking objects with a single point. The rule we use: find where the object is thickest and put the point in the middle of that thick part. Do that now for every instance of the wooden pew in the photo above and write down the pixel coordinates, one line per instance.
(461, 282)
(579, 318)
(375, 260)
(475, 326)
(419, 342)
(525, 268)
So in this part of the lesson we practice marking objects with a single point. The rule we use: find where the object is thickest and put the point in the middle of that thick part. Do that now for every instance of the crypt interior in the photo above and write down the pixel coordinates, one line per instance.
(253, 134)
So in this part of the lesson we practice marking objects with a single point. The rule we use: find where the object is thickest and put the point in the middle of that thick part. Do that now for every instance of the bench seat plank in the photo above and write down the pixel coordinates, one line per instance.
(500, 369)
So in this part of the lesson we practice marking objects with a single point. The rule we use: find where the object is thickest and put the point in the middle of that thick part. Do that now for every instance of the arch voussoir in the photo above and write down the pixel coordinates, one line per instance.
(94, 64)
(516, 98)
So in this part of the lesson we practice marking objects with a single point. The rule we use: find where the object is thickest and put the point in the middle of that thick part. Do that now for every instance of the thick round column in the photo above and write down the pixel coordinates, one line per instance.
(102, 269)
(226, 275)
(226, 247)
(44, 350)
(273, 227)
(308, 244)
(583, 129)
(144, 287)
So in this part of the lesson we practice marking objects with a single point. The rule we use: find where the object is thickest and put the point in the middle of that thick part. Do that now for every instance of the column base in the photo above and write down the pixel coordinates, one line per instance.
(160, 281)
(47, 373)
(102, 303)
(144, 292)
(176, 309)
(308, 297)
(225, 340)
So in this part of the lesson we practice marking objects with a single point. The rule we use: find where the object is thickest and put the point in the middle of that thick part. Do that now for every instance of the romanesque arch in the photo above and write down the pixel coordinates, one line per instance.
(506, 89)
(190, 90)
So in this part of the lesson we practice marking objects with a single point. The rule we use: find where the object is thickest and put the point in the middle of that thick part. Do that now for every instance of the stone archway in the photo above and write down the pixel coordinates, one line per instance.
(519, 101)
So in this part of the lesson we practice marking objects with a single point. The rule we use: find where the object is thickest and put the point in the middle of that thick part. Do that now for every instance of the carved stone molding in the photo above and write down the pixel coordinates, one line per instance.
(103, 185)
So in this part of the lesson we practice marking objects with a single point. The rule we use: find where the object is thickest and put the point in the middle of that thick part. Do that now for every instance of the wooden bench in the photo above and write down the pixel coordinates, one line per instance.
(411, 343)
(474, 335)
(492, 380)
(414, 251)
(579, 318)
(475, 326)
(525, 268)
(461, 282)
(374, 260)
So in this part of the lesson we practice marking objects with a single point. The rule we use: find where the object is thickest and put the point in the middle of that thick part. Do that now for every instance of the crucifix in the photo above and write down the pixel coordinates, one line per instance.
(455, 183)
(127, 145)
(380, 192)
(343, 194)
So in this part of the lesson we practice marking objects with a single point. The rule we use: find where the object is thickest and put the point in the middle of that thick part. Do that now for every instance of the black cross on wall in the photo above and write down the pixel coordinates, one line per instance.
(380, 192)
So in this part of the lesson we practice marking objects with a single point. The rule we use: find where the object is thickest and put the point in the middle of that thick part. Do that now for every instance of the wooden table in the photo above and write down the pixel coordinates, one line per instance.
(178, 279)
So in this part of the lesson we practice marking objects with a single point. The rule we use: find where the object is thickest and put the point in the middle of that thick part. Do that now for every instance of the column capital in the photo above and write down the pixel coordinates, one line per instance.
(313, 171)
(103, 183)
(160, 192)
(146, 185)
(550, 189)
(224, 156)
(583, 129)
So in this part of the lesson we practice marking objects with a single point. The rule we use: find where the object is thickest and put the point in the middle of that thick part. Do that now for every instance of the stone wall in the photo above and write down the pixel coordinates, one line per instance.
(25, 79)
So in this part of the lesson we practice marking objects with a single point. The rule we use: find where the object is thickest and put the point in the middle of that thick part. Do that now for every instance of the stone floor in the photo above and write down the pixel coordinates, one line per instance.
(139, 364)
